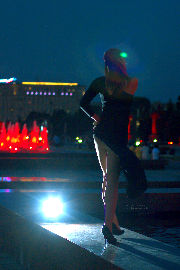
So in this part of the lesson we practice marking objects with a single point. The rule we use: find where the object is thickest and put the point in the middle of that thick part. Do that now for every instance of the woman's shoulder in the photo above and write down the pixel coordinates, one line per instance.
(131, 86)
(97, 84)
(99, 80)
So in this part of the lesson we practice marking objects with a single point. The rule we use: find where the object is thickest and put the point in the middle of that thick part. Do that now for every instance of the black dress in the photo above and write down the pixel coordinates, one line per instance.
(113, 131)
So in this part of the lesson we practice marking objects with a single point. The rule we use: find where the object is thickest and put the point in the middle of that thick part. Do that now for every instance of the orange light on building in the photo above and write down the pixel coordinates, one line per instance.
(2, 144)
(50, 83)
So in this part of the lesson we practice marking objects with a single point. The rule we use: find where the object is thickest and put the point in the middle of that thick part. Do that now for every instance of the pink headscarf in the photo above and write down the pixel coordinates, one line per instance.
(115, 61)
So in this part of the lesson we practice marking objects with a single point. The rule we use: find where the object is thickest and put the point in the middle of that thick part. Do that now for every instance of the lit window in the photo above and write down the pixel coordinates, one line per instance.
(62, 94)
(66, 94)
(32, 93)
(71, 94)
(53, 93)
(27, 93)
(40, 93)
(45, 93)
(36, 93)
(49, 93)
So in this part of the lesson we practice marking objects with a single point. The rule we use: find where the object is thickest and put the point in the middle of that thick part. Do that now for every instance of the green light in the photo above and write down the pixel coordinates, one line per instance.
(123, 54)
(77, 138)
(138, 143)
(79, 141)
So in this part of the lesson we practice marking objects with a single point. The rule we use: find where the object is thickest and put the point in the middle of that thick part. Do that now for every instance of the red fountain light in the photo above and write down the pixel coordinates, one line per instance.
(14, 140)
(154, 117)
(129, 127)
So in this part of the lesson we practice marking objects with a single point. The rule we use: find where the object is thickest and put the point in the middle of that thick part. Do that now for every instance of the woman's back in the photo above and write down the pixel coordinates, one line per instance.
(115, 113)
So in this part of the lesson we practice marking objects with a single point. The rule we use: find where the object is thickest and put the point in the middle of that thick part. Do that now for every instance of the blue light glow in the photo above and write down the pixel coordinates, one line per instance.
(8, 80)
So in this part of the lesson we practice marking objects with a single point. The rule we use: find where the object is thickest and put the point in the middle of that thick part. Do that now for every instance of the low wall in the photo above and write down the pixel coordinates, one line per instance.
(89, 200)
(54, 161)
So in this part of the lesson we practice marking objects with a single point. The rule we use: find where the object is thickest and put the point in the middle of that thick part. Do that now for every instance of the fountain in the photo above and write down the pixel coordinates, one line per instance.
(154, 117)
(3, 137)
(129, 127)
(14, 140)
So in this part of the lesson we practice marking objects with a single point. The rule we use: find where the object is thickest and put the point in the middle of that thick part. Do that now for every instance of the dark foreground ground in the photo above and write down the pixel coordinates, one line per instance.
(24, 184)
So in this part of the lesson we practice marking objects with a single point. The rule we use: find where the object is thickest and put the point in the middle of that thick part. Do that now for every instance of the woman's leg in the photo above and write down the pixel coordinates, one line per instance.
(101, 154)
(101, 150)
(113, 171)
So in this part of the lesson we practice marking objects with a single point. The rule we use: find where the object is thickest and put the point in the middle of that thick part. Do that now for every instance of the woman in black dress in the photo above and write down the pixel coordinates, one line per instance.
(116, 90)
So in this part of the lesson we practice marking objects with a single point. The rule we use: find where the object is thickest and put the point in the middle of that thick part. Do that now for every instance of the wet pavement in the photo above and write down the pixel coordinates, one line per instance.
(132, 251)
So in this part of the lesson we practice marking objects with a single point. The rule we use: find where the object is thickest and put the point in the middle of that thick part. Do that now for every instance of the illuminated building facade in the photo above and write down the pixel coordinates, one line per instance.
(17, 100)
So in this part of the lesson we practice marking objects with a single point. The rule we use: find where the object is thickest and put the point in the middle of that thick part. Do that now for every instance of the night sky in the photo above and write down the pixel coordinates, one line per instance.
(65, 41)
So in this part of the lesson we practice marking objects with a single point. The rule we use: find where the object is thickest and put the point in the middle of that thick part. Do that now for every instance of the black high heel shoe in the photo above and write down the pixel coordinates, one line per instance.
(116, 231)
(108, 236)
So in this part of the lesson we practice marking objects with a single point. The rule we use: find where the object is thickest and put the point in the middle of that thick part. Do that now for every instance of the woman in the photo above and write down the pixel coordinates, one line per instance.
(116, 89)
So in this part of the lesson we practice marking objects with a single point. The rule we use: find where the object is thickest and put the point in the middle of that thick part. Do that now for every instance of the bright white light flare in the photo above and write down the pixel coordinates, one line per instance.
(52, 207)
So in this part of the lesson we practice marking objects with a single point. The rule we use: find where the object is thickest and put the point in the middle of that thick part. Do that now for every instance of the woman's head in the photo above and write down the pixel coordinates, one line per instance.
(114, 62)
(115, 72)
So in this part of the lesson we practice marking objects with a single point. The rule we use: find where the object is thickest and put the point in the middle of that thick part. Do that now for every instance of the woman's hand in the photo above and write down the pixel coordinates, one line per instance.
(96, 119)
